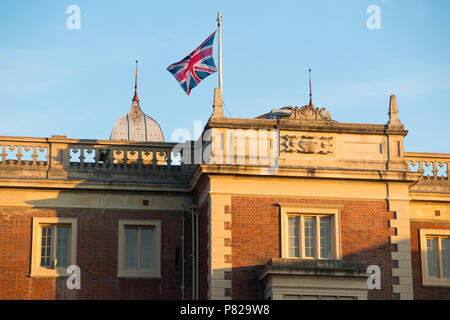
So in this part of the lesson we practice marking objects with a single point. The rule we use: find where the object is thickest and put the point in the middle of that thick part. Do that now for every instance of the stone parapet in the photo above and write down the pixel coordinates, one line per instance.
(92, 160)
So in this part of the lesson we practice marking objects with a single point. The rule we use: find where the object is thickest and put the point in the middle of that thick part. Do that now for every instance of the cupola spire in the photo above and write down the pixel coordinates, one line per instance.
(135, 98)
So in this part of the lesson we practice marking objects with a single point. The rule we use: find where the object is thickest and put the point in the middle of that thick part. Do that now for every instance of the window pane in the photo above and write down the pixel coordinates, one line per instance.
(46, 246)
(432, 257)
(146, 248)
(445, 244)
(325, 237)
(131, 248)
(62, 246)
(293, 227)
(49, 235)
(310, 237)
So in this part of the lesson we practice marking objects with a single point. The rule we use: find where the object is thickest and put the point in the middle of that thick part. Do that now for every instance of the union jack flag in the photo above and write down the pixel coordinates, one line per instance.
(196, 66)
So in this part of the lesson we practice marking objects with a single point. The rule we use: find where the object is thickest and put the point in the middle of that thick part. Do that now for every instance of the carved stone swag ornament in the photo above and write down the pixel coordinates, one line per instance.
(308, 144)
(308, 113)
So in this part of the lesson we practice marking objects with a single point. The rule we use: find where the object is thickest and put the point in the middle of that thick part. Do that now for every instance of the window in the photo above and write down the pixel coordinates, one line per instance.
(139, 248)
(53, 247)
(310, 232)
(435, 251)
(314, 231)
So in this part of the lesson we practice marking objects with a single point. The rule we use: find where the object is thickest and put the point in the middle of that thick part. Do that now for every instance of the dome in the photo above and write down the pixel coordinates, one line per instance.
(137, 126)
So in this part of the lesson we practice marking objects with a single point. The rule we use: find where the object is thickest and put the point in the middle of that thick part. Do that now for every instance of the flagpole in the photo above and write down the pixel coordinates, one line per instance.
(310, 90)
(219, 25)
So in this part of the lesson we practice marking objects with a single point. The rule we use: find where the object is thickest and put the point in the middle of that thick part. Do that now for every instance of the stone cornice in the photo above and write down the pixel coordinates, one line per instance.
(64, 140)
(311, 173)
(314, 267)
(429, 196)
(91, 185)
(306, 125)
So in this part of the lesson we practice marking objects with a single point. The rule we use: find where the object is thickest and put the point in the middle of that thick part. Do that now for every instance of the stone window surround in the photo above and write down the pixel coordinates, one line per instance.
(426, 280)
(40, 272)
(155, 272)
(292, 208)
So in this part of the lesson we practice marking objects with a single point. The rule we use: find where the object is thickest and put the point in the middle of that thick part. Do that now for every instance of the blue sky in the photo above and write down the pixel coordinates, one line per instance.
(79, 82)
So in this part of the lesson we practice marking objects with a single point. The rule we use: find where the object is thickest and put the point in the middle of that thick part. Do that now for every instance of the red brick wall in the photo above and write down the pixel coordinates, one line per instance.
(97, 251)
(256, 239)
(421, 292)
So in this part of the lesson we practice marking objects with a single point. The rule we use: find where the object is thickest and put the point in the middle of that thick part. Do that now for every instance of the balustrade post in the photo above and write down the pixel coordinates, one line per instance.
(421, 166)
(58, 157)
(435, 171)
(34, 156)
(139, 159)
(125, 157)
(448, 169)
(169, 158)
(97, 155)
(81, 157)
(19, 155)
(154, 157)
(3, 155)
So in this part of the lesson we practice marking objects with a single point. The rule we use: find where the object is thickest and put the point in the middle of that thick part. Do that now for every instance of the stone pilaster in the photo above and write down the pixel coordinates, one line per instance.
(220, 247)
(402, 240)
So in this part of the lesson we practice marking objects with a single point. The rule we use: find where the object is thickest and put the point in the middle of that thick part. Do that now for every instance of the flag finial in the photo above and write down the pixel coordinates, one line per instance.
(135, 98)
(219, 19)
(310, 90)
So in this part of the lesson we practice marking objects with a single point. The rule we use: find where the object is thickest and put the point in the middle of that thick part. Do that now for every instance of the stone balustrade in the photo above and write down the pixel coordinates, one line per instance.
(60, 157)
(32, 154)
(432, 165)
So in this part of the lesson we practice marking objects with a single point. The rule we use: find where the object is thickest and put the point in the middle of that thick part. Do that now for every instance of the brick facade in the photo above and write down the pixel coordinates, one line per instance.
(97, 251)
(421, 292)
(256, 239)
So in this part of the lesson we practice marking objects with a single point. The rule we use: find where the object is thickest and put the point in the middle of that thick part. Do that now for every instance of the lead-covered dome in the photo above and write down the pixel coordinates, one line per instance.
(137, 126)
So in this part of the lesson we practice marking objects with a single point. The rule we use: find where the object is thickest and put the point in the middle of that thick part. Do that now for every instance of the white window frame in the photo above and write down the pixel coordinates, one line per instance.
(43, 272)
(308, 210)
(155, 272)
(426, 279)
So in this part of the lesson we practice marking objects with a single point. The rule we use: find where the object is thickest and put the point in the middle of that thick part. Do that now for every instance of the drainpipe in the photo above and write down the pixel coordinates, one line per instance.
(182, 254)
(193, 252)
(195, 256)
(197, 253)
